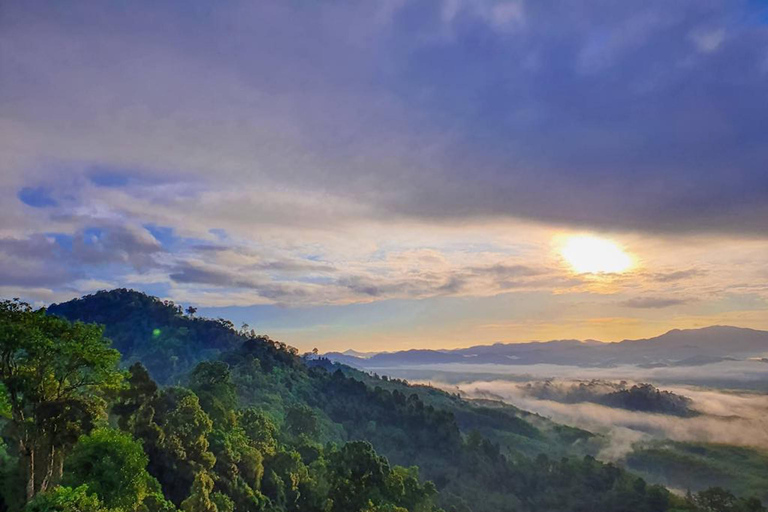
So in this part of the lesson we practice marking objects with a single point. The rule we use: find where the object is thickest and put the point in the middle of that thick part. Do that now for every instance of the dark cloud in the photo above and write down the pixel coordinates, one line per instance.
(295, 266)
(37, 246)
(35, 261)
(653, 302)
(210, 248)
(35, 275)
(598, 115)
(425, 284)
(187, 273)
(501, 271)
(644, 116)
(666, 277)
(198, 274)
(116, 244)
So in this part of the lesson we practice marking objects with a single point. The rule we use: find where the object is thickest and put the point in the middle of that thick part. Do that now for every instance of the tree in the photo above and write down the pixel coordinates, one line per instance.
(156, 502)
(223, 502)
(57, 376)
(200, 498)
(358, 476)
(186, 432)
(66, 499)
(286, 472)
(140, 390)
(301, 419)
(715, 499)
(114, 466)
(260, 429)
(174, 430)
(212, 383)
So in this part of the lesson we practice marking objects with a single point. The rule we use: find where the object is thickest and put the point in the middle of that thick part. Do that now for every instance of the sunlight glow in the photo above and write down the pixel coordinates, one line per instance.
(592, 255)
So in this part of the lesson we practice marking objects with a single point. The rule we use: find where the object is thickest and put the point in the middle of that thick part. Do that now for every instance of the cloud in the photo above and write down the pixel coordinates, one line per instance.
(731, 418)
(677, 275)
(121, 244)
(744, 375)
(196, 274)
(484, 112)
(501, 271)
(15, 273)
(405, 275)
(395, 151)
(653, 302)
(59, 260)
(708, 41)
(36, 246)
(33, 262)
(279, 292)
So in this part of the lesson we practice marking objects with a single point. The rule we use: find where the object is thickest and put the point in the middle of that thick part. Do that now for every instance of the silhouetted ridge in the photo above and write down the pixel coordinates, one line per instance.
(678, 347)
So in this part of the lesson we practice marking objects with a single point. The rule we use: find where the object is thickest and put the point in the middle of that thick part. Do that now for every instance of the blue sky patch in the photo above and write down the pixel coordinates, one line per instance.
(37, 197)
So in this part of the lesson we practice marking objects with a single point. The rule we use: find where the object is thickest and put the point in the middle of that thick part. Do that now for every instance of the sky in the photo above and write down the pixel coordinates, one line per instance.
(384, 175)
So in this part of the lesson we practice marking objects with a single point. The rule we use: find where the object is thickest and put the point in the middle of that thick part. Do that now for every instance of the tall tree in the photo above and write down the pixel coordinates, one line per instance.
(139, 391)
(200, 498)
(56, 375)
(114, 466)
(174, 430)
(212, 383)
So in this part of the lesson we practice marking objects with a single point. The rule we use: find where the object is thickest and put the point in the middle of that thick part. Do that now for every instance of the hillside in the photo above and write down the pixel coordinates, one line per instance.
(256, 427)
(700, 465)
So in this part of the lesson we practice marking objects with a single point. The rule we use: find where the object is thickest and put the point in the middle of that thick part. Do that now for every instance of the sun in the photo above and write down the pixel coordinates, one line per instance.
(593, 255)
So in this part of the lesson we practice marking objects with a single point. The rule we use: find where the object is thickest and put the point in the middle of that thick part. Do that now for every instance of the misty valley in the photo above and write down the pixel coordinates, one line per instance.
(689, 414)
(120, 401)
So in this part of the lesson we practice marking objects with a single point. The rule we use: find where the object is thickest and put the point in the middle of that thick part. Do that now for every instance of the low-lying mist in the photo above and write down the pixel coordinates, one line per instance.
(730, 417)
(743, 374)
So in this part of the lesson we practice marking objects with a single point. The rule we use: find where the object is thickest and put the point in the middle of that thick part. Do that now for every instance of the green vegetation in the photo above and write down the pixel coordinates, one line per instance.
(239, 422)
(701, 465)
(638, 397)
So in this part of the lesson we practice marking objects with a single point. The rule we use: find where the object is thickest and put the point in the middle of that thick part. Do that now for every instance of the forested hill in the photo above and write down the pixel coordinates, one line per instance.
(160, 335)
(226, 420)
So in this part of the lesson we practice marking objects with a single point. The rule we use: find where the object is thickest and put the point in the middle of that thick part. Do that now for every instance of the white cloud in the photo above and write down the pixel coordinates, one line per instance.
(707, 41)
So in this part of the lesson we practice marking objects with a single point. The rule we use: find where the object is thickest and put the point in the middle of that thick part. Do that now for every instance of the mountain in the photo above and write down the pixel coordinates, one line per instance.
(688, 347)
(276, 432)
(311, 426)
(355, 353)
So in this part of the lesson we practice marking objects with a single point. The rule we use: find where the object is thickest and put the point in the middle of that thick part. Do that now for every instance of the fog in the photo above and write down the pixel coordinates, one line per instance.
(737, 418)
(727, 396)
(743, 375)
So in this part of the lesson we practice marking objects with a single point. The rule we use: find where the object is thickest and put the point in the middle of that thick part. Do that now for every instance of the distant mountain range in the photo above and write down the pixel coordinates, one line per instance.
(678, 347)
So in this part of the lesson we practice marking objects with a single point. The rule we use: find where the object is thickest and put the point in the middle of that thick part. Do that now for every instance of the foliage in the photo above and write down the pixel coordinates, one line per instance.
(66, 499)
(697, 466)
(200, 498)
(114, 466)
(57, 376)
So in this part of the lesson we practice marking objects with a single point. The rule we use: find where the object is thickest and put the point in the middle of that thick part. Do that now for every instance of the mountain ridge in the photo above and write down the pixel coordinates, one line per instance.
(698, 346)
